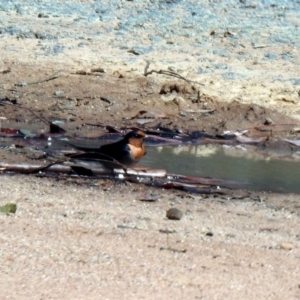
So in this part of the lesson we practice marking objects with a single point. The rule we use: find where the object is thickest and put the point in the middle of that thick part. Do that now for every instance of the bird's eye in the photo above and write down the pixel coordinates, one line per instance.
(138, 135)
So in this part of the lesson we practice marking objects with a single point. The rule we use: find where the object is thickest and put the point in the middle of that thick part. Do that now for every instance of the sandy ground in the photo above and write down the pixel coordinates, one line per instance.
(97, 240)
(89, 239)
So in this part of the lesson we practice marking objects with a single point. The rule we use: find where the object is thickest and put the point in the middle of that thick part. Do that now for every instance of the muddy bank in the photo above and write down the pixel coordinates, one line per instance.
(237, 51)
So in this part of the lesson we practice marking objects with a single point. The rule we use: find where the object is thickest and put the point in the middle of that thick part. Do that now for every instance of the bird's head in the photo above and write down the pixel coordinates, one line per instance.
(135, 138)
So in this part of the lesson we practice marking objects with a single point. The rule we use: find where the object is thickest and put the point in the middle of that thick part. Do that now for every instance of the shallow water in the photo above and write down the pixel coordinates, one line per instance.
(253, 170)
(244, 166)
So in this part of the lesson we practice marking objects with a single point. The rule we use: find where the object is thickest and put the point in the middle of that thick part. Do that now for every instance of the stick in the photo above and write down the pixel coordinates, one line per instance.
(58, 168)
(107, 101)
(51, 77)
(168, 73)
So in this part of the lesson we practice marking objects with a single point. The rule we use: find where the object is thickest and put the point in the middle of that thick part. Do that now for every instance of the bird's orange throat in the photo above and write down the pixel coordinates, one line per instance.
(137, 152)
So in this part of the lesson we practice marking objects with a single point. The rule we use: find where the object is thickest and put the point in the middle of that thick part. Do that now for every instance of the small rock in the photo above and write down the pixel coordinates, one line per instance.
(119, 74)
(42, 15)
(295, 130)
(270, 56)
(59, 93)
(174, 214)
(268, 121)
(24, 83)
(98, 70)
(149, 198)
(286, 246)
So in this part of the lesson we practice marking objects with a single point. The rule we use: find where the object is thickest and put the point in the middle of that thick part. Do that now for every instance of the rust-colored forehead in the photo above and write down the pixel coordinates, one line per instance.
(135, 134)
(140, 133)
(136, 138)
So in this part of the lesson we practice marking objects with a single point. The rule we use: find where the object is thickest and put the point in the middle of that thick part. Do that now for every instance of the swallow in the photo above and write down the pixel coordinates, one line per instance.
(127, 151)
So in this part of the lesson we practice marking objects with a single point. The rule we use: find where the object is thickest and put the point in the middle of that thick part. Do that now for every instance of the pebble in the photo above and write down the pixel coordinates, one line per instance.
(59, 93)
(268, 121)
(174, 214)
(286, 246)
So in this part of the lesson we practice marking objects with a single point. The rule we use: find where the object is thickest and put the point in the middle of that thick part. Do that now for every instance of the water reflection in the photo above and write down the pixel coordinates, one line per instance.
(261, 170)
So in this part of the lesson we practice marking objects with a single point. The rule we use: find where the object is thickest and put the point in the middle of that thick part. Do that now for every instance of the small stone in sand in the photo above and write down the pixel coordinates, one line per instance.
(286, 246)
(174, 214)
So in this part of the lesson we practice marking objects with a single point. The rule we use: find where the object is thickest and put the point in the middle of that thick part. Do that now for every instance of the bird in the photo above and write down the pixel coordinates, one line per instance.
(127, 151)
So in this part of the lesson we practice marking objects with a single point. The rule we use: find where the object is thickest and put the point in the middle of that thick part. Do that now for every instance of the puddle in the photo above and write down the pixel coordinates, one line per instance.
(255, 170)
(252, 168)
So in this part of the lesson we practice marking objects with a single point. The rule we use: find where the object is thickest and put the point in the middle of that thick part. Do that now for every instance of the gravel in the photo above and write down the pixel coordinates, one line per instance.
(235, 40)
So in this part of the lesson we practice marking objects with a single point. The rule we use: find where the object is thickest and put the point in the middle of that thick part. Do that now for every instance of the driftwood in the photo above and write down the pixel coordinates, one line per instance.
(152, 177)
(64, 169)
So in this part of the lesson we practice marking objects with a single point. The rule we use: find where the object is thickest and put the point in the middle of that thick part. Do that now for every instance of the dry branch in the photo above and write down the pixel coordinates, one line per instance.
(51, 77)
(168, 73)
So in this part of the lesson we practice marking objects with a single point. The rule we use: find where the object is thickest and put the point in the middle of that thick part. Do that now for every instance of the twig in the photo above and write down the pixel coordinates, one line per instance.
(33, 169)
(168, 73)
(107, 100)
(51, 77)
(93, 72)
